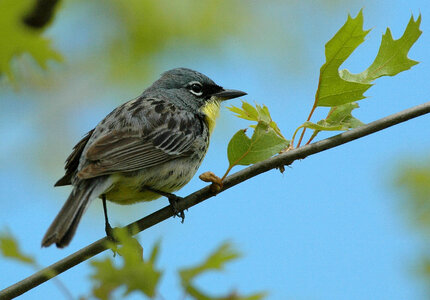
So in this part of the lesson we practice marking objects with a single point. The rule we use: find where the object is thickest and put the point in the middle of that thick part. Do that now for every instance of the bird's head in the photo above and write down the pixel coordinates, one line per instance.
(193, 91)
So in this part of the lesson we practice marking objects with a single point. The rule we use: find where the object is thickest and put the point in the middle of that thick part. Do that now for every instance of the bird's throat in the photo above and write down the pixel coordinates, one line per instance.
(211, 111)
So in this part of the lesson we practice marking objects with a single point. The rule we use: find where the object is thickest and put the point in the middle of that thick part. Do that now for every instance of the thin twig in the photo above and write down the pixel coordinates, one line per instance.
(285, 158)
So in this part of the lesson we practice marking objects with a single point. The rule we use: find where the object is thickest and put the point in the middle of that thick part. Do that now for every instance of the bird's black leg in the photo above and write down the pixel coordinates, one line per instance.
(173, 200)
(108, 228)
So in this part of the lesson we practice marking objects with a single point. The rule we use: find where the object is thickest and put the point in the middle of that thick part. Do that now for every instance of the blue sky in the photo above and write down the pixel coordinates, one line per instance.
(330, 227)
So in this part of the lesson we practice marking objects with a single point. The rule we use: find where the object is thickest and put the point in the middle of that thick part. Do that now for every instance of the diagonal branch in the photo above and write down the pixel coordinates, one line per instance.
(286, 158)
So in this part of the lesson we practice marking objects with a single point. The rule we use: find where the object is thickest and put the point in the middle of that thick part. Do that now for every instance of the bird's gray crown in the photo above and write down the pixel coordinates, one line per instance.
(180, 77)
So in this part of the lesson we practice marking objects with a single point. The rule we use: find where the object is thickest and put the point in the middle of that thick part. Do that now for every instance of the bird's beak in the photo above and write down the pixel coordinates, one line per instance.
(228, 94)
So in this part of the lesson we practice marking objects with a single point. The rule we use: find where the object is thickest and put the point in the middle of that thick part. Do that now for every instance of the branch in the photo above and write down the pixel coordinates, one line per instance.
(283, 159)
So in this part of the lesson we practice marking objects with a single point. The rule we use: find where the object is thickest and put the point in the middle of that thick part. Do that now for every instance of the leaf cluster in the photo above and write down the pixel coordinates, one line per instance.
(128, 271)
(215, 262)
(339, 89)
(265, 141)
(134, 274)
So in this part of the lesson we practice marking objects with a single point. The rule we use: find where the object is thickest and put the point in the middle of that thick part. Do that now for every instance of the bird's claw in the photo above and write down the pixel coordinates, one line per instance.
(173, 200)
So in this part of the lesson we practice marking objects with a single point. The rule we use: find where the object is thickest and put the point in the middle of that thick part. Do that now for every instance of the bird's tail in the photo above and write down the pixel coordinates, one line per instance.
(64, 226)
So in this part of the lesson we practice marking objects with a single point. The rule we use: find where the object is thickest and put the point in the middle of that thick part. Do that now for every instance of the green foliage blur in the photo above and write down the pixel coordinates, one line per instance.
(413, 181)
(144, 29)
(9, 248)
(128, 271)
(17, 39)
(134, 35)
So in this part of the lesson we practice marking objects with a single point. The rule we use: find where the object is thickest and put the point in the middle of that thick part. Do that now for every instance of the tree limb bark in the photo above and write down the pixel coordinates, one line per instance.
(283, 159)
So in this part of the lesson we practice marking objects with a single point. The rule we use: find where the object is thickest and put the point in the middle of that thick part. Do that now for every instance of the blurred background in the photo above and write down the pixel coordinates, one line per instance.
(344, 224)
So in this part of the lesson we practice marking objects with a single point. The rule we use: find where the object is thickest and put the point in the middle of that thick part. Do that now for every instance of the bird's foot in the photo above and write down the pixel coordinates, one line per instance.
(109, 232)
(173, 200)
(108, 229)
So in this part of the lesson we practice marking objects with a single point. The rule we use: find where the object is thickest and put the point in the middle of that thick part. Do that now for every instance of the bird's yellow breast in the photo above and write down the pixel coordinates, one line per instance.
(126, 190)
(211, 111)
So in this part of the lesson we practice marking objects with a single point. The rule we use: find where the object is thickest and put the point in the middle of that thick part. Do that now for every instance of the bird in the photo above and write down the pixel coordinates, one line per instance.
(146, 148)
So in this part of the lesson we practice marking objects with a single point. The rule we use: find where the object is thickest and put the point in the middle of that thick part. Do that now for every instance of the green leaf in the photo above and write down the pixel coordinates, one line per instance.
(155, 252)
(339, 87)
(242, 113)
(332, 89)
(343, 115)
(247, 112)
(16, 39)
(258, 114)
(216, 261)
(392, 56)
(266, 140)
(134, 273)
(238, 146)
(339, 119)
(264, 143)
(9, 248)
(321, 126)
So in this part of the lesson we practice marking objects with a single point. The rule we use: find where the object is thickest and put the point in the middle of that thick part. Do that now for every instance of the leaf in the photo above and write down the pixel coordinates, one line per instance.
(134, 274)
(332, 89)
(392, 56)
(339, 119)
(266, 140)
(342, 115)
(247, 112)
(258, 114)
(339, 87)
(216, 261)
(321, 127)
(264, 143)
(17, 39)
(238, 146)
(9, 248)
(242, 113)
(155, 252)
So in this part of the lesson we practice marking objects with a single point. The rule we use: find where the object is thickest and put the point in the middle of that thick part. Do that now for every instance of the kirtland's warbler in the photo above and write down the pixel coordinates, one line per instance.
(144, 149)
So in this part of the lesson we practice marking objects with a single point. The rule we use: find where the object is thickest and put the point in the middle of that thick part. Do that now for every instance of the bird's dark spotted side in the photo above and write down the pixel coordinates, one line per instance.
(164, 134)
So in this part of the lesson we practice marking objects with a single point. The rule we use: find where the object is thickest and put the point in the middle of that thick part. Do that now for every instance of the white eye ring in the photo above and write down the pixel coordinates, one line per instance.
(196, 88)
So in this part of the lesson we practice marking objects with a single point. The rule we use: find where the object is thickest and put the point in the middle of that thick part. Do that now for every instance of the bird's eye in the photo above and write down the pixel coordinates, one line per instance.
(196, 88)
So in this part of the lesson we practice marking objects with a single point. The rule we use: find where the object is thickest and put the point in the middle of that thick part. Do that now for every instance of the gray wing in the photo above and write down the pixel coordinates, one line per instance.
(72, 162)
(146, 136)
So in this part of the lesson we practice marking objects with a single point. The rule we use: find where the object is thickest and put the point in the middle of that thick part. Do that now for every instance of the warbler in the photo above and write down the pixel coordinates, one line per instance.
(144, 149)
